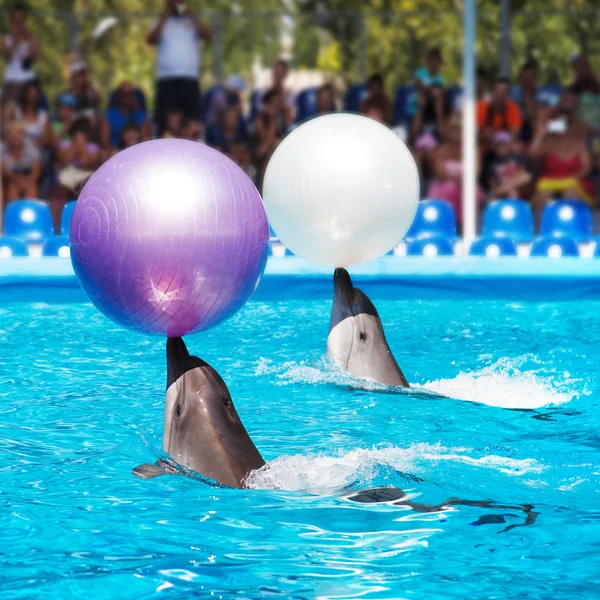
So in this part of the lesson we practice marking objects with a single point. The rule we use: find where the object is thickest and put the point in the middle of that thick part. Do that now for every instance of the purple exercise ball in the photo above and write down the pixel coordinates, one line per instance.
(169, 237)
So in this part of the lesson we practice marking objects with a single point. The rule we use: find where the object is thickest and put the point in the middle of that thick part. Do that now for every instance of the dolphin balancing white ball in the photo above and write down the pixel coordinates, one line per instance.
(341, 189)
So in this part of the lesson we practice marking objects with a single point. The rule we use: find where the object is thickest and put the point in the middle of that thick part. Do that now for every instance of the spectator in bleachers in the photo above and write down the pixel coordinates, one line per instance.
(270, 127)
(587, 85)
(230, 129)
(240, 155)
(229, 96)
(481, 84)
(20, 162)
(87, 96)
(78, 157)
(35, 120)
(448, 167)
(173, 123)
(525, 95)
(428, 122)
(376, 96)
(65, 115)
(177, 36)
(20, 50)
(564, 161)
(325, 101)
(430, 75)
(192, 130)
(125, 111)
(505, 172)
(131, 134)
(499, 113)
(567, 106)
(376, 111)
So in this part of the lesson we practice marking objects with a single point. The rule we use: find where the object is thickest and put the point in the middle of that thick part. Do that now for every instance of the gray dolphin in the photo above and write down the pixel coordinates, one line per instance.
(202, 430)
(356, 340)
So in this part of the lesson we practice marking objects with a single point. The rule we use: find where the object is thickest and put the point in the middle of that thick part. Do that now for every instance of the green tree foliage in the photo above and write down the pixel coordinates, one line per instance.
(343, 37)
(398, 32)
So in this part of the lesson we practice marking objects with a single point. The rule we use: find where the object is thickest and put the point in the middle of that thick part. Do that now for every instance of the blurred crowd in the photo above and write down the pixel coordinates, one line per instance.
(533, 144)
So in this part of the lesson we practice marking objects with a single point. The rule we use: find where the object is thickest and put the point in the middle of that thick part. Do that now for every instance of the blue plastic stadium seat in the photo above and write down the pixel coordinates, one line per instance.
(306, 104)
(434, 217)
(493, 246)
(353, 97)
(572, 218)
(554, 246)
(29, 220)
(288, 252)
(511, 218)
(57, 246)
(434, 245)
(10, 247)
(67, 215)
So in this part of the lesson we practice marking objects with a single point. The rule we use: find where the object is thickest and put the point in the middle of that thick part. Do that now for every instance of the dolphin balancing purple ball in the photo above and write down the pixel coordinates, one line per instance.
(169, 237)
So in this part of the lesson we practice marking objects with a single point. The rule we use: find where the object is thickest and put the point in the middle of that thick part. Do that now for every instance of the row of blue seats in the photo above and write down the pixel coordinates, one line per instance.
(491, 247)
(31, 220)
(54, 246)
(405, 100)
(511, 218)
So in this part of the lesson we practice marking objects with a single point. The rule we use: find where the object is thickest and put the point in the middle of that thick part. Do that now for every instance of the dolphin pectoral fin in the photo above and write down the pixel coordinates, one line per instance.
(148, 471)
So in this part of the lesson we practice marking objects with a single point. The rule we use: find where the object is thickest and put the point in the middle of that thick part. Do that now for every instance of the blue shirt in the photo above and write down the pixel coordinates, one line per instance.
(117, 120)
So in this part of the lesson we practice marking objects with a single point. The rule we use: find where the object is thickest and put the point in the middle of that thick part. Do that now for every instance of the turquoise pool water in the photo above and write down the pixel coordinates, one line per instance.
(81, 404)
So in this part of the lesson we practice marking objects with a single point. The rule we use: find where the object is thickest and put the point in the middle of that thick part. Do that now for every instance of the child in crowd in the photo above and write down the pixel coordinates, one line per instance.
(173, 123)
(506, 174)
(241, 156)
(193, 130)
(230, 129)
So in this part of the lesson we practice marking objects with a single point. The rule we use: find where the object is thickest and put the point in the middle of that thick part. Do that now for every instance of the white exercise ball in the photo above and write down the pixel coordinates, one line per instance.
(341, 189)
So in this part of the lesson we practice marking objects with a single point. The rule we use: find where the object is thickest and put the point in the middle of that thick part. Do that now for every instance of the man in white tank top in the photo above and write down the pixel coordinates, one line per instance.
(177, 35)
(20, 49)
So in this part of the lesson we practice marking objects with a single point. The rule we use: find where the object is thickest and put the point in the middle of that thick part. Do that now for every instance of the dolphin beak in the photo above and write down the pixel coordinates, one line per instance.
(342, 284)
(177, 359)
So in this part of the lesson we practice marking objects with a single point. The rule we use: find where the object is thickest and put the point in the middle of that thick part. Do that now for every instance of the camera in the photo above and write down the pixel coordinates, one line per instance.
(557, 126)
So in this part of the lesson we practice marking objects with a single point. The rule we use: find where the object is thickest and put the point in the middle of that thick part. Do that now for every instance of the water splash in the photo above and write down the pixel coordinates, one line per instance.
(505, 385)
(329, 474)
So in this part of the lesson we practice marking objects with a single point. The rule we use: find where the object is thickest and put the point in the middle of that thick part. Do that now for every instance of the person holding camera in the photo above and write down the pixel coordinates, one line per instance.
(20, 50)
(560, 150)
(177, 35)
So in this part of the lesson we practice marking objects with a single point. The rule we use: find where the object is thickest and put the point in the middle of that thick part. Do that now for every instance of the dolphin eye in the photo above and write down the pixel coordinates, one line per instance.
(362, 336)
(226, 400)
(178, 410)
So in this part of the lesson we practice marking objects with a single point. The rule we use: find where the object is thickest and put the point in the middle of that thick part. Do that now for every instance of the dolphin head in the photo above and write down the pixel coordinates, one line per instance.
(349, 302)
(356, 339)
(202, 429)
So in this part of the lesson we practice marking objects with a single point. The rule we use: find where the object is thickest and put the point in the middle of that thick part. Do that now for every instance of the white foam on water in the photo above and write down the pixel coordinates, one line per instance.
(504, 385)
(328, 474)
(501, 384)
(318, 372)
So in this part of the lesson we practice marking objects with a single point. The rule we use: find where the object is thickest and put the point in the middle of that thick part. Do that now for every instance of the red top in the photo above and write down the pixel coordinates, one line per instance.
(556, 167)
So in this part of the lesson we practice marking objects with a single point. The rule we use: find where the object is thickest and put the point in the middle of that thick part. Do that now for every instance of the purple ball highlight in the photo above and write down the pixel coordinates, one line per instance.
(169, 237)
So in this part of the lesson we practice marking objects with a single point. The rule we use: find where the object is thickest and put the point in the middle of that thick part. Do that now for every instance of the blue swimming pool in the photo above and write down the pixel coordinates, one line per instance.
(81, 404)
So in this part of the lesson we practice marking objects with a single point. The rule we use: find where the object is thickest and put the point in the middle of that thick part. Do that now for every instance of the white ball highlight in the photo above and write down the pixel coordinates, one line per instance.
(341, 190)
